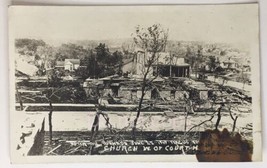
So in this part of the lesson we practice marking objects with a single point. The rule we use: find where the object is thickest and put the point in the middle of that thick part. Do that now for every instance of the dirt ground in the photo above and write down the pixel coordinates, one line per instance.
(149, 121)
(69, 127)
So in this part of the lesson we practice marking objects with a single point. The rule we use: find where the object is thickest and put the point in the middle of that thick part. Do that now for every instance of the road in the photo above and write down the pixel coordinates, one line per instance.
(233, 84)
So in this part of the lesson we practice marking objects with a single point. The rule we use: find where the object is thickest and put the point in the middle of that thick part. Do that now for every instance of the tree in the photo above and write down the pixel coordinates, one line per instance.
(53, 78)
(152, 39)
(217, 72)
(190, 57)
(199, 59)
(194, 56)
(43, 53)
(45, 57)
(212, 63)
(71, 51)
(28, 44)
(117, 61)
(102, 61)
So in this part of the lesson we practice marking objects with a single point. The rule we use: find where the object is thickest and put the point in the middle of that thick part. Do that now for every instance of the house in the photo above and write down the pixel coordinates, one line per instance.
(229, 63)
(68, 64)
(60, 65)
(71, 64)
(165, 65)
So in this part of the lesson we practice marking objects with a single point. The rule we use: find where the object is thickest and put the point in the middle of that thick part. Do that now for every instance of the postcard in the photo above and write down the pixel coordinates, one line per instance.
(134, 83)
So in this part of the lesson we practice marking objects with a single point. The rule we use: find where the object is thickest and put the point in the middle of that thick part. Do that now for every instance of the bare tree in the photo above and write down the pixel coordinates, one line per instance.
(49, 96)
(153, 40)
(47, 55)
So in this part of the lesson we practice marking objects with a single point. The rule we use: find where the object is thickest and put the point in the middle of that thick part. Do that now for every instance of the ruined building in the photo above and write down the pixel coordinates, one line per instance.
(165, 65)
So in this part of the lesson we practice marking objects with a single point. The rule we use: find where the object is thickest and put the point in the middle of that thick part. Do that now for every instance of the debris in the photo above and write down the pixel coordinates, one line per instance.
(169, 113)
(72, 150)
(53, 149)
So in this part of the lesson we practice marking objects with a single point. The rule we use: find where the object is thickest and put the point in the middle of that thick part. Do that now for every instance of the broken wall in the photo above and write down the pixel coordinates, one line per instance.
(126, 94)
(203, 95)
(147, 94)
(166, 94)
(179, 94)
(107, 91)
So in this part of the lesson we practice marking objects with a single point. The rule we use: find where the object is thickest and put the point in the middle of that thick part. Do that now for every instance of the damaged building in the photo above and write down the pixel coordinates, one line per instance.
(165, 65)
(128, 89)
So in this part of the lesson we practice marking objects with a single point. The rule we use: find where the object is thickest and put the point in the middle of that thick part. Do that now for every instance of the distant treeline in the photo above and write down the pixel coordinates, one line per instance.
(99, 61)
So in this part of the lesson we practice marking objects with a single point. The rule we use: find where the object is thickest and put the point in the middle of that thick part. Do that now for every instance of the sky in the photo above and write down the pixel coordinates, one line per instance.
(237, 24)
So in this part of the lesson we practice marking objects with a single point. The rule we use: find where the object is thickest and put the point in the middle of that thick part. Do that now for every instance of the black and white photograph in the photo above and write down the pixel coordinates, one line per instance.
(134, 83)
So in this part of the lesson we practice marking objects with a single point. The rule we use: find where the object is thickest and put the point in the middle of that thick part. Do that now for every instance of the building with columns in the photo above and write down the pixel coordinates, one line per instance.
(165, 65)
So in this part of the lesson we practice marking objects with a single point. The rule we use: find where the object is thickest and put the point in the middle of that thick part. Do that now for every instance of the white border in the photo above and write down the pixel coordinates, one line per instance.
(4, 85)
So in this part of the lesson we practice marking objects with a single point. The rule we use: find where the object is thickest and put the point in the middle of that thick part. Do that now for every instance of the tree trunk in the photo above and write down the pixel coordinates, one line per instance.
(95, 127)
(21, 104)
(185, 122)
(170, 71)
(219, 118)
(138, 113)
(234, 124)
(140, 102)
(234, 119)
(50, 122)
